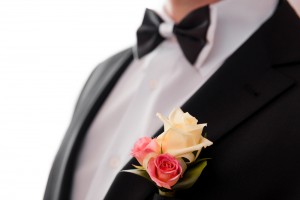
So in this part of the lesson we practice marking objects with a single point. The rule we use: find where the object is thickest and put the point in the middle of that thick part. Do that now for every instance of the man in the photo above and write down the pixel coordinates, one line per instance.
(243, 80)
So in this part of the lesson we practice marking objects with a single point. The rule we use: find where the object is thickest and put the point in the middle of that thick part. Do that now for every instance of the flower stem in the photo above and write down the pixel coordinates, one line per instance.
(166, 193)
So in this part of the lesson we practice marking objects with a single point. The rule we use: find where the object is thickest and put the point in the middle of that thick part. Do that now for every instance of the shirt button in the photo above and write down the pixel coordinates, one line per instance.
(114, 162)
(153, 84)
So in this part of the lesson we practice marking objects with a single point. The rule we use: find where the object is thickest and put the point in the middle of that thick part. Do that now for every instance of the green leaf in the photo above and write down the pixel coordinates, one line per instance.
(190, 176)
(196, 162)
(139, 167)
(139, 172)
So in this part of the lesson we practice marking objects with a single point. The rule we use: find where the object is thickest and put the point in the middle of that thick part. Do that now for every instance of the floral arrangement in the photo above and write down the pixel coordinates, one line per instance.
(172, 160)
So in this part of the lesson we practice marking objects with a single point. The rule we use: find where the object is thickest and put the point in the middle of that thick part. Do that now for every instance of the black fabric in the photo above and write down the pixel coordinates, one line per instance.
(251, 105)
(190, 33)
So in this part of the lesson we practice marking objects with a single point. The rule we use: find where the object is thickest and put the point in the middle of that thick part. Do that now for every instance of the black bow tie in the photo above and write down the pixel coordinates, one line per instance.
(190, 33)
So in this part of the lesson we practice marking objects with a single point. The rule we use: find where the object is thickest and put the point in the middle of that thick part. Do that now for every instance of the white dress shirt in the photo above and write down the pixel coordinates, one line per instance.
(159, 82)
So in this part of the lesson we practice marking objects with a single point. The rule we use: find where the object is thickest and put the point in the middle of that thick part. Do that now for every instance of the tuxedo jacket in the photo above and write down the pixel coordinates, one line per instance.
(251, 105)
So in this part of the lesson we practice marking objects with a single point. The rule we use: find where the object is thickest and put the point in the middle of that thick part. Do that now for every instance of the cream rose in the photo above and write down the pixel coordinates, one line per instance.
(182, 136)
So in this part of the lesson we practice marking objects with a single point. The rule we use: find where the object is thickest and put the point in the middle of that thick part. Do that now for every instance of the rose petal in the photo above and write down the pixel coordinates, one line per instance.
(165, 170)
(179, 152)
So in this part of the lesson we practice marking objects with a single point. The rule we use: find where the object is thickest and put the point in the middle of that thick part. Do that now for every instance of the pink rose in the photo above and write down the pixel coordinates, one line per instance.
(165, 170)
(145, 148)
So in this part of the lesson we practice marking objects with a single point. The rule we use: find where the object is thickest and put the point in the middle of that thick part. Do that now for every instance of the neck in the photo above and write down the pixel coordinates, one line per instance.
(178, 9)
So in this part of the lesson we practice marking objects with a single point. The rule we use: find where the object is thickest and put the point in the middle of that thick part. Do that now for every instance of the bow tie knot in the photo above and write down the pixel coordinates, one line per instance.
(166, 29)
(190, 33)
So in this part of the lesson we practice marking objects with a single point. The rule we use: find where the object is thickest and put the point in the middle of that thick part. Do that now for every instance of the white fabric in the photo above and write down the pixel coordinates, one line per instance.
(166, 29)
(158, 82)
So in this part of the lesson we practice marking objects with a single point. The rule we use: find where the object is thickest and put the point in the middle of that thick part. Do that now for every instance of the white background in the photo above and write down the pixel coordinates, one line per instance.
(47, 50)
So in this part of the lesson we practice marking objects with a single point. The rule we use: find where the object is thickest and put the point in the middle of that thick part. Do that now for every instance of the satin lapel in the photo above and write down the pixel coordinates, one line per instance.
(240, 88)
(245, 84)
(249, 80)
(94, 94)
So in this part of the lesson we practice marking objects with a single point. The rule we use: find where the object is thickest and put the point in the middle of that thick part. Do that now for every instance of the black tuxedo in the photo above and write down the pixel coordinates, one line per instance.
(251, 105)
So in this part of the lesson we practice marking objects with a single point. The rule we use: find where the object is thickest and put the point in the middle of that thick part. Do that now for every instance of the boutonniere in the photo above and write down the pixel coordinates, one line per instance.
(172, 159)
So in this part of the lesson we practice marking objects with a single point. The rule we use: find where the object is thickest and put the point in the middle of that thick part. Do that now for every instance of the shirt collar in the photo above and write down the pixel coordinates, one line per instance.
(232, 23)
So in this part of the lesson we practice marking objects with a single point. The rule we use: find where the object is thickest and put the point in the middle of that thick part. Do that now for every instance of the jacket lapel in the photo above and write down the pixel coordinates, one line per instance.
(94, 94)
(250, 79)
(241, 87)
(244, 85)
